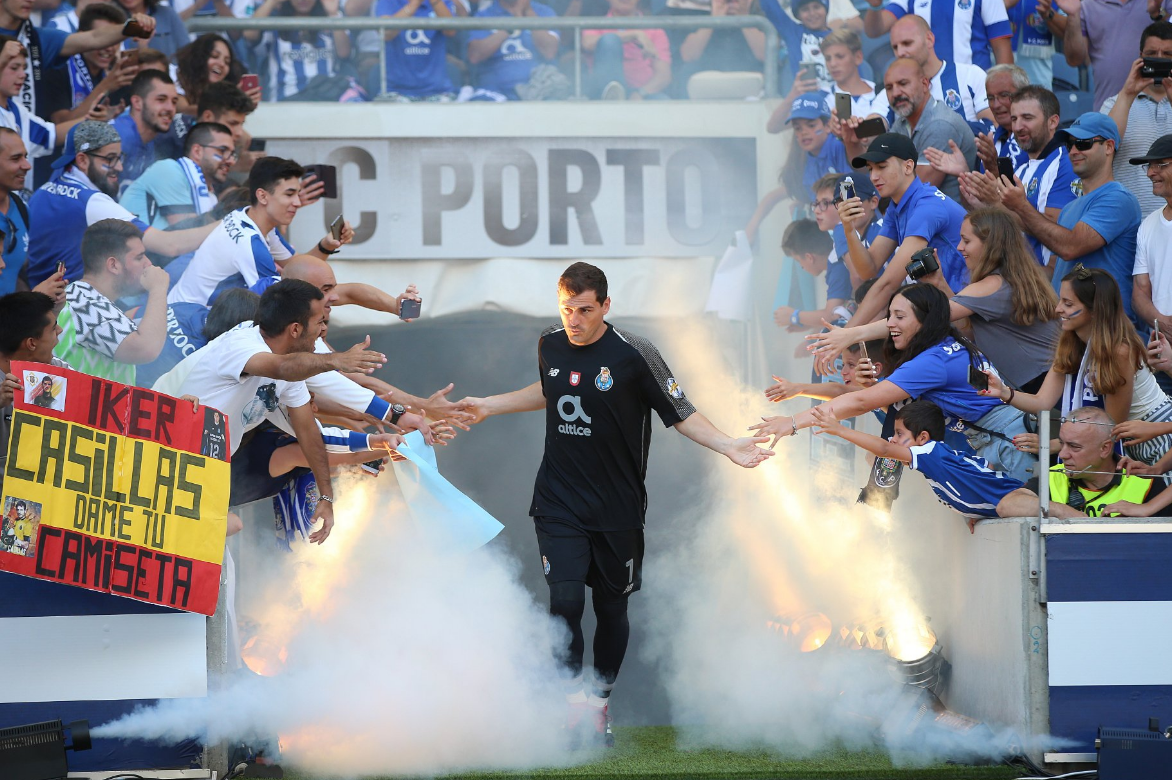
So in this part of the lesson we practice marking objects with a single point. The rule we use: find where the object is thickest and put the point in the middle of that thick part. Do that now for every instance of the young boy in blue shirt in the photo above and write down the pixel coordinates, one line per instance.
(963, 482)
(803, 38)
(806, 243)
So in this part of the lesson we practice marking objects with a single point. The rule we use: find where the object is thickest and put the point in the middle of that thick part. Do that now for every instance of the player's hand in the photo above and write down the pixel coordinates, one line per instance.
(773, 426)
(410, 294)
(324, 511)
(390, 442)
(825, 420)
(437, 405)
(1134, 432)
(358, 359)
(745, 453)
(410, 421)
(782, 391)
(474, 410)
(8, 389)
(155, 279)
(54, 287)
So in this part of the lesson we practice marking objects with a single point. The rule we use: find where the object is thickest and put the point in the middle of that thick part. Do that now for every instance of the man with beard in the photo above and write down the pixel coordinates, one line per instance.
(96, 337)
(1046, 182)
(81, 193)
(1001, 83)
(174, 190)
(960, 86)
(924, 119)
(153, 103)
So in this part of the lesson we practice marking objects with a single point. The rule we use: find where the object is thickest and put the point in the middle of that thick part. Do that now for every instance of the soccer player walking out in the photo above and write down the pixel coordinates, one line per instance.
(598, 386)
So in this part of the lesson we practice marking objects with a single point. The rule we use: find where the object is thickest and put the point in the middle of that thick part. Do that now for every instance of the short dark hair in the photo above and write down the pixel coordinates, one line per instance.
(268, 172)
(148, 56)
(920, 416)
(286, 302)
(144, 82)
(580, 277)
(23, 315)
(864, 287)
(106, 238)
(1161, 30)
(202, 134)
(107, 12)
(803, 236)
(221, 97)
(232, 307)
(1046, 99)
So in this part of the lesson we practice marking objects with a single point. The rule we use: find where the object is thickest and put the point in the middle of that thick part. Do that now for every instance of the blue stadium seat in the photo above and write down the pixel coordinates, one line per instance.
(1074, 103)
(1070, 79)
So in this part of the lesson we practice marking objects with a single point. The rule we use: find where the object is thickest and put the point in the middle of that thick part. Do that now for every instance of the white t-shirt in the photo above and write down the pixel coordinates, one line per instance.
(234, 249)
(864, 105)
(1153, 256)
(217, 378)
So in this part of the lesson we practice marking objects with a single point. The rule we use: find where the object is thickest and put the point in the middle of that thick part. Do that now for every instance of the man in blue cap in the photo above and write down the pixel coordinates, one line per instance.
(80, 193)
(1097, 228)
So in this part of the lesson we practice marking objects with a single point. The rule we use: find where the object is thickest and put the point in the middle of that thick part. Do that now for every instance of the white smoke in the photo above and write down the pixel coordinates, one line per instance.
(400, 658)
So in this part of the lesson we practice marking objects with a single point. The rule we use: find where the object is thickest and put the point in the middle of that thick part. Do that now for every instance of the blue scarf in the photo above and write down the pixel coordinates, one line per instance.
(81, 83)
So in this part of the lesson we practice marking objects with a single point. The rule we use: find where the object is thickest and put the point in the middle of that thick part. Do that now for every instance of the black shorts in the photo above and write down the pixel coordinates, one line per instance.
(610, 562)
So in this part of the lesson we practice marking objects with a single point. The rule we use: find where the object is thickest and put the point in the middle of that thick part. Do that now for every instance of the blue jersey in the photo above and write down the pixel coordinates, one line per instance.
(137, 155)
(185, 323)
(940, 374)
(1029, 28)
(65, 206)
(15, 243)
(293, 62)
(964, 28)
(801, 43)
(964, 482)
(512, 63)
(928, 213)
(416, 59)
(840, 246)
(1049, 182)
(1113, 213)
(831, 158)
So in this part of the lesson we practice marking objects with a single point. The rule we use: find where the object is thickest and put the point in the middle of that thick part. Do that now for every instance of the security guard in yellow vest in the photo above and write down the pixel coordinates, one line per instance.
(1088, 483)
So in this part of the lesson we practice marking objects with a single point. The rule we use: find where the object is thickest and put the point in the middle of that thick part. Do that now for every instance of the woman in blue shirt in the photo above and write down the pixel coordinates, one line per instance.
(930, 360)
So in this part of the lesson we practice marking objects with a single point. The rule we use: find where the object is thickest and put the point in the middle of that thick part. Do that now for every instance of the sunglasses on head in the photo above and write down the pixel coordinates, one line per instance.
(1083, 144)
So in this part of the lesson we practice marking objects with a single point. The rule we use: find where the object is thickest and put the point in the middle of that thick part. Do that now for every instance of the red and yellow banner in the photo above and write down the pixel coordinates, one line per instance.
(115, 488)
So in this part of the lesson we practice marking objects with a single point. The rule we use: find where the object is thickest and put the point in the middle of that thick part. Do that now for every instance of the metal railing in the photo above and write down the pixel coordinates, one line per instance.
(202, 24)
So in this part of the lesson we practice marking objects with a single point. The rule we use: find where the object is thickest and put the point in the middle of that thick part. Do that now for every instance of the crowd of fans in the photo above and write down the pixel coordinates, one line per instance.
(1004, 263)
(132, 203)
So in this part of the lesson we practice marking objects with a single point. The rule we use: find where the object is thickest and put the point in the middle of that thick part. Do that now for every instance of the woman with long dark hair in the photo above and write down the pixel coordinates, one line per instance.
(1099, 361)
(928, 358)
(1008, 308)
(209, 59)
(296, 57)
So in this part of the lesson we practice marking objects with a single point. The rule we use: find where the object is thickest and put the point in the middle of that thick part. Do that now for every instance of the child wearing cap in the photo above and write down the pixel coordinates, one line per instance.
(802, 39)
(816, 152)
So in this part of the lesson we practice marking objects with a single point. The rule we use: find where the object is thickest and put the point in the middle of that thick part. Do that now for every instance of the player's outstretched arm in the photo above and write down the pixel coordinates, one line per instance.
(527, 399)
(826, 422)
(743, 452)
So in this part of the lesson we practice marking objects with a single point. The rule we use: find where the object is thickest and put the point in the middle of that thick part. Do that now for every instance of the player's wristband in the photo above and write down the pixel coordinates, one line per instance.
(795, 318)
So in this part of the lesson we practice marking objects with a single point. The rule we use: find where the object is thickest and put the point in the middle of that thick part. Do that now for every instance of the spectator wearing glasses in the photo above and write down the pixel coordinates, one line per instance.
(961, 87)
(81, 192)
(1143, 113)
(1097, 228)
(969, 31)
(1152, 273)
(171, 191)
(1100, 31)
(827, 194)
(1001, 83)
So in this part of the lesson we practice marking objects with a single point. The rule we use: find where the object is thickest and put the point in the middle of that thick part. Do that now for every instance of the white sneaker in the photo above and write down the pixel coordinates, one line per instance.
(614, 91)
